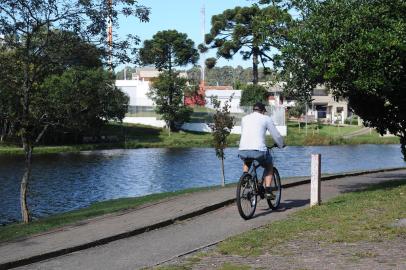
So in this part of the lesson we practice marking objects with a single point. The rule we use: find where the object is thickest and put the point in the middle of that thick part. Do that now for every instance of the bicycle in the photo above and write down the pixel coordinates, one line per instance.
(249, 188)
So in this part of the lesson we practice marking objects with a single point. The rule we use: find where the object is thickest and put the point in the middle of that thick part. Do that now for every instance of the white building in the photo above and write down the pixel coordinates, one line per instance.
(326, 108)
(142, 107)
(276, 97)
(138, 87)
(323, 107)
(224, 96)
(137, 91)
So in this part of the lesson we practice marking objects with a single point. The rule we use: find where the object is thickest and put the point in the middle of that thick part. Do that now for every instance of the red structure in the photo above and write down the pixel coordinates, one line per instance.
(198, 98)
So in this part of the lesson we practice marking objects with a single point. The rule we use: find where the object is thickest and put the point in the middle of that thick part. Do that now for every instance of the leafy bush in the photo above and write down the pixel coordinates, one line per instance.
(253, 93)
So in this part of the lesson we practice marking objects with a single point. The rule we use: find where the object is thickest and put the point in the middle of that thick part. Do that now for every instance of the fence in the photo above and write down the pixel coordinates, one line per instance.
(141, 111)
(277, 113)
(202, 115)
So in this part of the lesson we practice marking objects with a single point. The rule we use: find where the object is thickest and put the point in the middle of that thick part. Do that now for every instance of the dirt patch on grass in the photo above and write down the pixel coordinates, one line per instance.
(307, 254)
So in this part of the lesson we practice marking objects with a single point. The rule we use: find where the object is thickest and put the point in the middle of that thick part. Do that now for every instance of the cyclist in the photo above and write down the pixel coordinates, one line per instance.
(252, 142)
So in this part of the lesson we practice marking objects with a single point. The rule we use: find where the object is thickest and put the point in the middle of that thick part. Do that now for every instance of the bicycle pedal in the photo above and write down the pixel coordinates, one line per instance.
(270, 196)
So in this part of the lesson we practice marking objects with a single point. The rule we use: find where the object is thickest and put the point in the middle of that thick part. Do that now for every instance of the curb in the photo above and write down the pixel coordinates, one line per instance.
(337, 176)
(165, 223)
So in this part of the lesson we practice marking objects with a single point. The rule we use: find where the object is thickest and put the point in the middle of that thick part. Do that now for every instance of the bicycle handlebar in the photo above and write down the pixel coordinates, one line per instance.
(274, 145)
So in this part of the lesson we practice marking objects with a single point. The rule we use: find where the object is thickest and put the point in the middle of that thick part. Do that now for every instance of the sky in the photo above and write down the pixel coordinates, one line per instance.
(183, 16)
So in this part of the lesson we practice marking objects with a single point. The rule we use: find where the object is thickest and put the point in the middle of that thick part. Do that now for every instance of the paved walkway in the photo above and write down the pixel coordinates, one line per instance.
(362, 131)
(110, 228)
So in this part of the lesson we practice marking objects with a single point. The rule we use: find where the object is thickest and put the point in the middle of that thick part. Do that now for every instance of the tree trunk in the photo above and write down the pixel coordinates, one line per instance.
(403, 146)
(172, 126)
(24, 182)
(255, 65)
(170, 98)
(4, 131)
(298, 122)
(223, 180)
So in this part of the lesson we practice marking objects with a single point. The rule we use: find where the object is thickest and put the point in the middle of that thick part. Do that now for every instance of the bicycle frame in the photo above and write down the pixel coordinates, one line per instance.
(253, 171)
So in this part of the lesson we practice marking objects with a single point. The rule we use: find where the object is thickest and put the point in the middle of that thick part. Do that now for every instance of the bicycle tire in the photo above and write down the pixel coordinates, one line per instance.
(246, 196)
(276, 189)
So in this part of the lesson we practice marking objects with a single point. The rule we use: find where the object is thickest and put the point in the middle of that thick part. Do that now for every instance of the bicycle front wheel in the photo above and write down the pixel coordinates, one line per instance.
(276, 188)
(246, 196)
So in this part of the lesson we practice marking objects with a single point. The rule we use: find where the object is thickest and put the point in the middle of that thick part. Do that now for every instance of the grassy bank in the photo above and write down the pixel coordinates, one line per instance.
(357, 216)
(365, 216)
(138, 136)
(332, 135)
(19, 230)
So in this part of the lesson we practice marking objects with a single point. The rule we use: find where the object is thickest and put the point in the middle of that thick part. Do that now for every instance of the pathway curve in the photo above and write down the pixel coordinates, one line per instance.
(362, 131)
(157, 246)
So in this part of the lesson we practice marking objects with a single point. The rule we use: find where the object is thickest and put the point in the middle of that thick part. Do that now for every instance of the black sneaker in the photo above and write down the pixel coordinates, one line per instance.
(268, 194)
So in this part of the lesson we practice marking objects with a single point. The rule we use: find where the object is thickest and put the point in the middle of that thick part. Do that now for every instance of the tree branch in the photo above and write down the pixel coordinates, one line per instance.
(41, 134)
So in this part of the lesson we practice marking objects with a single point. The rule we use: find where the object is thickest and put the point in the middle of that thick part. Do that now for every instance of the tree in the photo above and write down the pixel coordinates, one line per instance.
(167, 92)
(358, 50)
(253, 31)
(166, 50)
(297, 111)
(252, 94)
(228, 75)
(30, 30)
(221, 128)
(10, 77)
(81, 99)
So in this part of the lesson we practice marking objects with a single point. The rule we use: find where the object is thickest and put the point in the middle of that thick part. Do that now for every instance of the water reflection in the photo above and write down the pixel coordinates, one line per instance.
(63, 182)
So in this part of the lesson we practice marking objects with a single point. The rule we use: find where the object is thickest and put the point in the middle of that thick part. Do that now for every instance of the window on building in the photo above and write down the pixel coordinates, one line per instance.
(319, 92)
(321, 111)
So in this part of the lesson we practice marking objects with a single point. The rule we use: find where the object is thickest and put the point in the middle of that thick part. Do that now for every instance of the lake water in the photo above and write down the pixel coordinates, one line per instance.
(63, 182)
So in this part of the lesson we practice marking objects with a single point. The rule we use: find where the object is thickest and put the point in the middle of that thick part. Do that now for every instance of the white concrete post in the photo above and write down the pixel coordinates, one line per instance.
(315, 195)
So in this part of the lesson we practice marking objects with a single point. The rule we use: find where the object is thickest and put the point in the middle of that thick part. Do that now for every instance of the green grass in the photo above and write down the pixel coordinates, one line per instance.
(190, 262)
(364, 215)
(139, 136)
(332, 135)
(186, 265)
(230, 266)
(19, 230)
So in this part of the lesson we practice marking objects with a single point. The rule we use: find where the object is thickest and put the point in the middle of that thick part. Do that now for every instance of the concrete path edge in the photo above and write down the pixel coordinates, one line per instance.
(165, 223)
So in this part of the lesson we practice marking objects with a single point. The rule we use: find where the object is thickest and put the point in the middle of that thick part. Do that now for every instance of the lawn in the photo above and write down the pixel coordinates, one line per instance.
(352, 226)
(356, 216)
(332, 135)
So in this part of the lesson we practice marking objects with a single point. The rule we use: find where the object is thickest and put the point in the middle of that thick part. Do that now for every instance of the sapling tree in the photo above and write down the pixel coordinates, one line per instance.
(221, 127)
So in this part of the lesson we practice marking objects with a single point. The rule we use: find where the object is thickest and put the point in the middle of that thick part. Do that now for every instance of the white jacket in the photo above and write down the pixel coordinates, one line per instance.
(253, 131)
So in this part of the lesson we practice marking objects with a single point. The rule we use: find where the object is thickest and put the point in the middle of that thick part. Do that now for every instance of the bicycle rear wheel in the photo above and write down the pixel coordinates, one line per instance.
(246, 196)
(276, 190)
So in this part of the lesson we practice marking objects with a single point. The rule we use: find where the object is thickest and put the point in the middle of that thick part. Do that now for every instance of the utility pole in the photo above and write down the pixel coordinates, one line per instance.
(203, 64)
